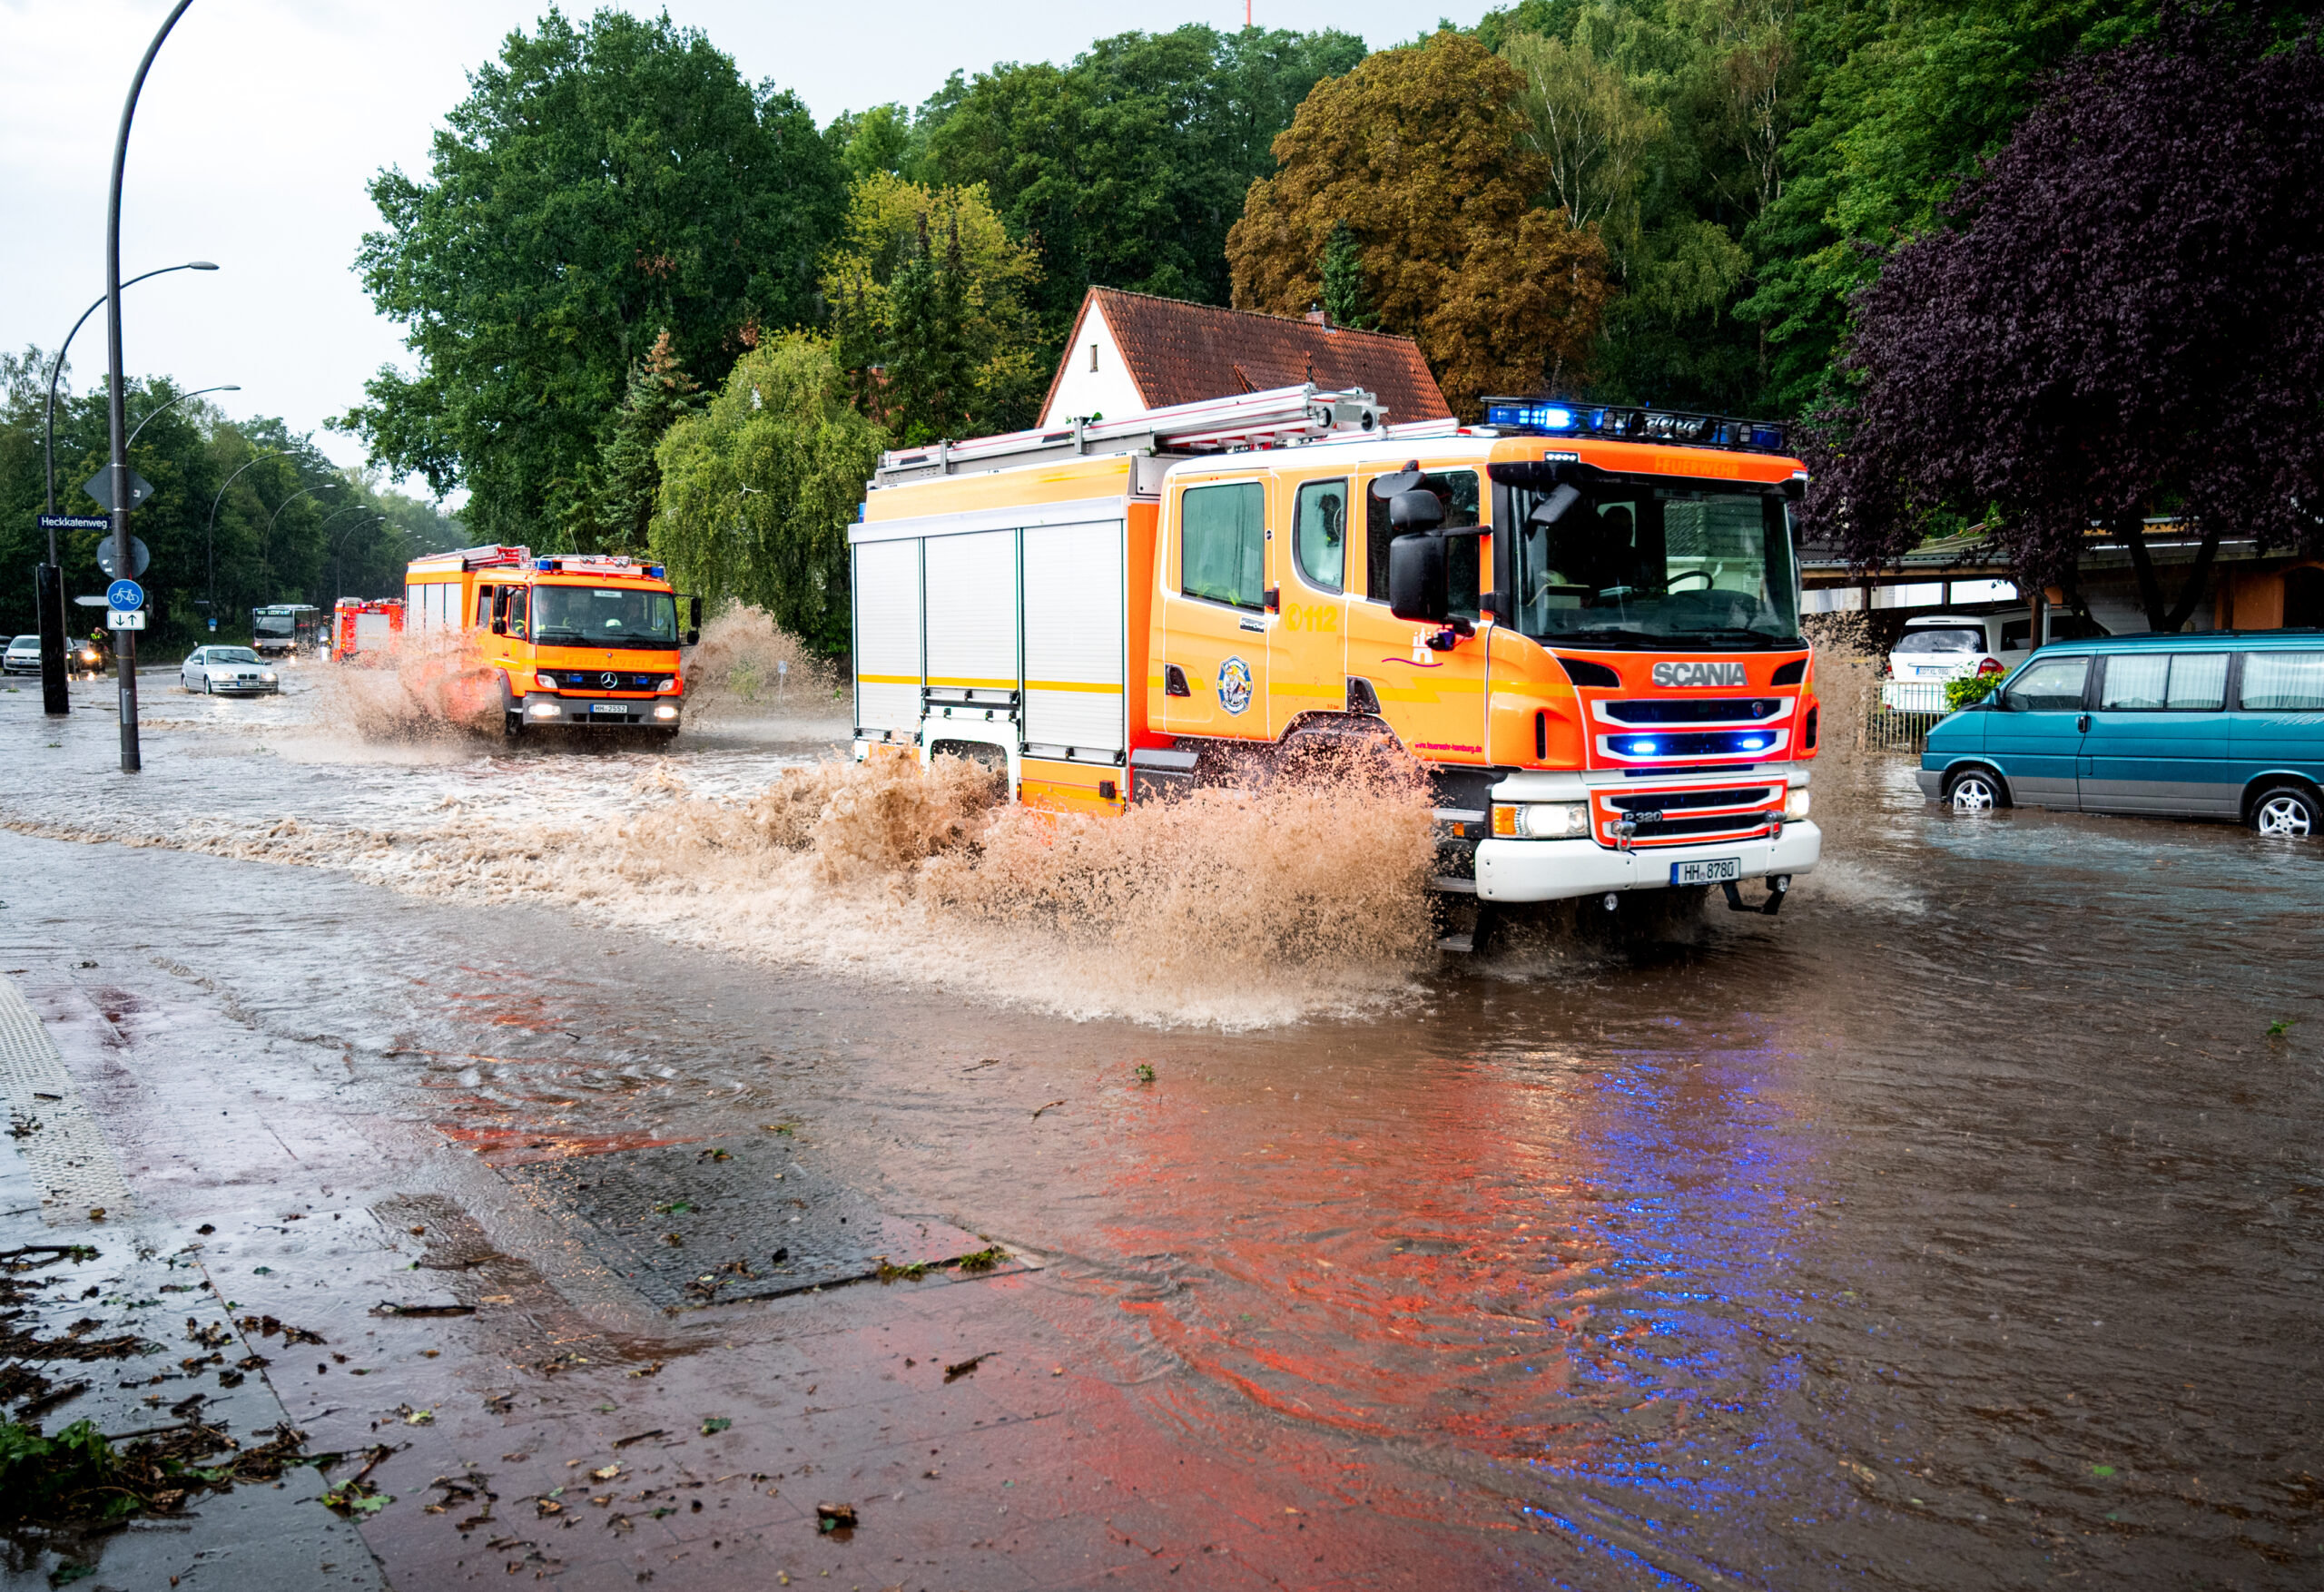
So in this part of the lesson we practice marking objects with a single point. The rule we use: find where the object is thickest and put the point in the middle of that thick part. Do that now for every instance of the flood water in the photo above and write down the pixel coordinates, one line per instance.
(1958, 1227)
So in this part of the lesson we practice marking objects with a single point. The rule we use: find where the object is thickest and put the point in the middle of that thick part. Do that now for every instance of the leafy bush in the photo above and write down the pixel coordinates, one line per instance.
(1968, 691)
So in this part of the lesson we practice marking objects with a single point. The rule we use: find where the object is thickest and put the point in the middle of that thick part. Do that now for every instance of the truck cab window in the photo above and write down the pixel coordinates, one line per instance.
(1222, 543)
(517, 610)
(1319, 532)
(1457, 490)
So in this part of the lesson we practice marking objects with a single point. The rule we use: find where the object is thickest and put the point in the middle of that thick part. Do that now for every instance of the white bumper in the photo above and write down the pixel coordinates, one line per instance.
(1556, 870)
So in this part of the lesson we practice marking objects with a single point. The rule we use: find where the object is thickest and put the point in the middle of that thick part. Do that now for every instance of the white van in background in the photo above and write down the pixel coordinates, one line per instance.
(1942, 647)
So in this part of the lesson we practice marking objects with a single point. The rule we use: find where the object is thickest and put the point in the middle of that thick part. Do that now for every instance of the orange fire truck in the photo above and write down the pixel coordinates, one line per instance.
(1584, 621)
(559, 639)
(365, 632)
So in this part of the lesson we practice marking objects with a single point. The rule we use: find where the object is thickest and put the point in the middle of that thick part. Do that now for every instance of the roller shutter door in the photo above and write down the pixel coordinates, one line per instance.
(886, 635)
(1074, 654)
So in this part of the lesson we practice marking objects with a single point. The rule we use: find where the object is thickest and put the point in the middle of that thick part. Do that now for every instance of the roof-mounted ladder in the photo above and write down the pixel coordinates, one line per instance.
(1274, 418)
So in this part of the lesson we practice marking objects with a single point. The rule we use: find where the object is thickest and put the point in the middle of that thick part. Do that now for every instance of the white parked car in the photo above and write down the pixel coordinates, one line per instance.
(227, 672)
(24, 655)
(1940, 647)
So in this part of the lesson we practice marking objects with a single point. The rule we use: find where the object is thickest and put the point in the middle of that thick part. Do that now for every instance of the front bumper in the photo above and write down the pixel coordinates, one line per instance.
(1930, 782)
(1557, 870)
(629, 712)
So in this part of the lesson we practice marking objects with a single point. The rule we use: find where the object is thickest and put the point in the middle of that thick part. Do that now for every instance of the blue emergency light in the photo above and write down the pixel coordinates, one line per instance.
(1536, 416)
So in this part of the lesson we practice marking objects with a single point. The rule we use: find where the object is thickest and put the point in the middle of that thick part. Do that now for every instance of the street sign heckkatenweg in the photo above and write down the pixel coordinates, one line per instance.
(72, 521)
(124, 596)
(100, 486)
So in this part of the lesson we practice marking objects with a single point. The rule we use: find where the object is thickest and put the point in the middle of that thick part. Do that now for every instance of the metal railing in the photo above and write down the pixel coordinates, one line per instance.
(1888, 729)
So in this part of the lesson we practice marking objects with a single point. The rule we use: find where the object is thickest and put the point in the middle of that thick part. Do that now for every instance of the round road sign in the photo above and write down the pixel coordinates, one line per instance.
(126, 596)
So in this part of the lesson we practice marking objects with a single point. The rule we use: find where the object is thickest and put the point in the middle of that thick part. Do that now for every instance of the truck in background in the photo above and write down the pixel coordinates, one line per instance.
(366, 630)
(288, 630)
(562, 639)
(1584, 623)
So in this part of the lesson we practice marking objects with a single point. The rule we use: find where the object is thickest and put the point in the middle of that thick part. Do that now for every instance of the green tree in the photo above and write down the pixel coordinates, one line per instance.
(1347, 300)
(1424, 147)
(614, 515)
(1130, 166)
(759, 487)
(879, 142)
(599, 183)
(929, 302)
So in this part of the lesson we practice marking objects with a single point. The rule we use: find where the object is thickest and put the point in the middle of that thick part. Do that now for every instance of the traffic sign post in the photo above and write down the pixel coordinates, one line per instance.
(124, 619)
(56, 688)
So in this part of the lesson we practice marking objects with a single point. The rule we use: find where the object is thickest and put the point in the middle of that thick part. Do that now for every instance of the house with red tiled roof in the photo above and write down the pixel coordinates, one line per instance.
(1131, 351)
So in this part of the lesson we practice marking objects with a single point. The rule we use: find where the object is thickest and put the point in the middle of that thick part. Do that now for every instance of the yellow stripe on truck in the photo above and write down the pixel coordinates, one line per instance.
(991, 684)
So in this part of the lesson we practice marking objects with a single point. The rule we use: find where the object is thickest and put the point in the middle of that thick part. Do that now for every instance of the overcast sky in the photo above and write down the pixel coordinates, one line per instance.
(263, 119)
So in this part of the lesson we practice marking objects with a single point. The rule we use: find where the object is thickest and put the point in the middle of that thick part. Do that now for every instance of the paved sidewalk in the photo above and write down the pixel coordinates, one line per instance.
(146, 1280)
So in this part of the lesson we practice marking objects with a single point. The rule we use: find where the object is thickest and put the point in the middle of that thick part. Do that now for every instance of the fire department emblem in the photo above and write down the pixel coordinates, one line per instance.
(1234, 685)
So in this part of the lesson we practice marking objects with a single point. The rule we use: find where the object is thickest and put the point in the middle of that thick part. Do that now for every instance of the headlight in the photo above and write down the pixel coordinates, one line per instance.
(544, 710)
(1540, 820)
(545, 682)
(267, 675)
(1796, 804)
(673, 685)
(668, 710)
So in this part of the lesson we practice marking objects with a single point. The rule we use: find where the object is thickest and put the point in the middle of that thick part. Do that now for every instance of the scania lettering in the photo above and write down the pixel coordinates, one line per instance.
(1584, 622)
(559, 640)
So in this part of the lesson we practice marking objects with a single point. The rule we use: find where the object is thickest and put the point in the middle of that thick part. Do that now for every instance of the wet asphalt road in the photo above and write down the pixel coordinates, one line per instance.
(1957, 1228)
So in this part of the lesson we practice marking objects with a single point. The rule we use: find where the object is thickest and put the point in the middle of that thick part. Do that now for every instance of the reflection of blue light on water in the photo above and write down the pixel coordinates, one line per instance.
(1692, 1308)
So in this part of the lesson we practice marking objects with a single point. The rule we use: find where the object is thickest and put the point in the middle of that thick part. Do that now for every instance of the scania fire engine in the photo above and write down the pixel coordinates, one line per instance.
(1584, 622)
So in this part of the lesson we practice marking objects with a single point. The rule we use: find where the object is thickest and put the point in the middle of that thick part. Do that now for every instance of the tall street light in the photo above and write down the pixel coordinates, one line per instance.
(173, 403)
(339, 545)
(117, 415)
(210, 536)
(266, 537)
(55, 698)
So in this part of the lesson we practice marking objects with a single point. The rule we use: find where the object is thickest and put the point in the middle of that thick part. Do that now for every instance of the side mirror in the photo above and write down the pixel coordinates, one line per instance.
(1419, 574)
(693, 614)
(693, 638)
(1555, 506)
(500, 627)
(1415, 510)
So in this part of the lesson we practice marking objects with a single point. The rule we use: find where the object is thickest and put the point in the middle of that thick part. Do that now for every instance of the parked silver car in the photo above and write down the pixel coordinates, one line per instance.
(227, 671)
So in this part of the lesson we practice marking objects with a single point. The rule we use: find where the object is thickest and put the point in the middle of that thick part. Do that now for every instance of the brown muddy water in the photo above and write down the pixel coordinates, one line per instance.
(1959, 1227)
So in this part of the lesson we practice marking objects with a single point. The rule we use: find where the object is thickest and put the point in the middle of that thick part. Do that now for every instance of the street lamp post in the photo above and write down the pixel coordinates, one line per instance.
(173, 403)
(266, 538)
(117, 416)
(210, 536)
(340, 546)
(55, 698)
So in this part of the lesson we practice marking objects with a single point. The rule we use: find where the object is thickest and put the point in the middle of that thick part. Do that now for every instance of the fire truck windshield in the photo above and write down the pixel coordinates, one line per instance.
(604, 617)
(1633, 564)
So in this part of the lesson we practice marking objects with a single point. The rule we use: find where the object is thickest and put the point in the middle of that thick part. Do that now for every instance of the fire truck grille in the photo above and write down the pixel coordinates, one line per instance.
(604, 680)
(1692, 711)
(1678, 817)
(1676, 801)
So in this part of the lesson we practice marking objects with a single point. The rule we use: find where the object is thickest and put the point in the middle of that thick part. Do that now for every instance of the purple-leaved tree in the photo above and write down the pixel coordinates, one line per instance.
(2125, 318)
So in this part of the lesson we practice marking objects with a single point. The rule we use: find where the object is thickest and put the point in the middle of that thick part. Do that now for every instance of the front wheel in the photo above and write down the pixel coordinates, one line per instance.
(2288, 811)
(210, 688)
(1975, 790)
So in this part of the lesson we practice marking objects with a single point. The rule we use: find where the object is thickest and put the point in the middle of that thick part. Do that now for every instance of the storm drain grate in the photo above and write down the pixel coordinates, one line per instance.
(695, 1224)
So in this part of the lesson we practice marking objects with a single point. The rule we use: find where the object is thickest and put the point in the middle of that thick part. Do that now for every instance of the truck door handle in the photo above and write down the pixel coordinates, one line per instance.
(2081, 722)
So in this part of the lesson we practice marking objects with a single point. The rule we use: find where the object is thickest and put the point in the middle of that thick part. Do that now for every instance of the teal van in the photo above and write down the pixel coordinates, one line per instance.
(2222, 725)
